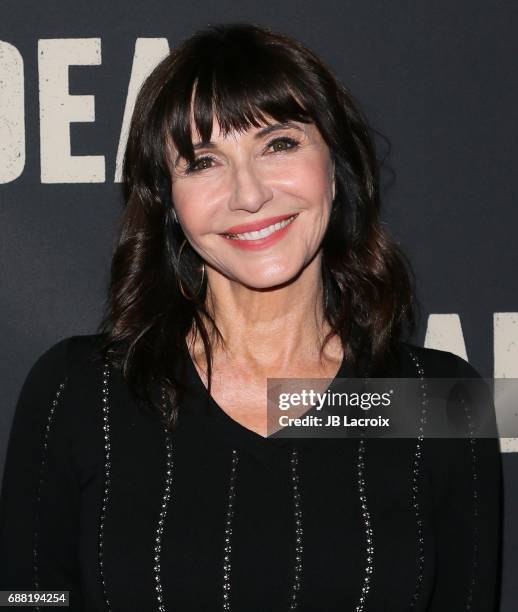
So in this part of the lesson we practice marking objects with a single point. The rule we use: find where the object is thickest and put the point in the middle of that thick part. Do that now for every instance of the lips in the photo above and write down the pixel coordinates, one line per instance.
(256, 225)
(264, 238)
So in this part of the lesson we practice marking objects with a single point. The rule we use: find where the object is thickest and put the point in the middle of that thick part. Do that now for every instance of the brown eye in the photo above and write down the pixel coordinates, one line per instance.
(202, 163)
(283, 144)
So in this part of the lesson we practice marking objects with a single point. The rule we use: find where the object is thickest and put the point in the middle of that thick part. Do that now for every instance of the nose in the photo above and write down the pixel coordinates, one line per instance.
(250, 191)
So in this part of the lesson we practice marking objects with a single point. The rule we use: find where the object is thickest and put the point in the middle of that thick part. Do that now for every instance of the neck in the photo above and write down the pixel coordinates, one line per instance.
(269, 328)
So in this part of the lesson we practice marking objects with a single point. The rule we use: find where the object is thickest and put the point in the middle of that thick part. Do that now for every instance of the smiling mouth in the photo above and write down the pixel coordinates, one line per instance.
(262, 233)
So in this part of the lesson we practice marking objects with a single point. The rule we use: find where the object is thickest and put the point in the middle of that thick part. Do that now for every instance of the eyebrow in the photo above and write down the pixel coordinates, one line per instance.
(260, 134)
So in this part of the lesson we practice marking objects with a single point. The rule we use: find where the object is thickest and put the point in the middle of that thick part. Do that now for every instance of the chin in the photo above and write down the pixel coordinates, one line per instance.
(267, 276)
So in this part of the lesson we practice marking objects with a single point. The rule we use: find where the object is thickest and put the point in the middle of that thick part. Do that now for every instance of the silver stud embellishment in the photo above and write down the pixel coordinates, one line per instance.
(166, 496)
(107, 471)
(473, 449)
(228, 532)
(297, 578)
(369, 540)
(297, 571)
(416, 471)
(43, 466)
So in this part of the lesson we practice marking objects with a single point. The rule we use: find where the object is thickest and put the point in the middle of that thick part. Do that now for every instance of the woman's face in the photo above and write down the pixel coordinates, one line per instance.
(256, 177)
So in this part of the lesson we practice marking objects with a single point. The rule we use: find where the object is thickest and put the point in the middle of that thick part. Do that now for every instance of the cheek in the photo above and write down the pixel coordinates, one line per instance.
(194, 203)
(309, 179)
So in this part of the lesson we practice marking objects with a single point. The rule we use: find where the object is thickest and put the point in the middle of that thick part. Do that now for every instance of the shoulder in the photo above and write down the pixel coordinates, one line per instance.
(432, 363)
(467, 398)
(54, 396)
(64, 366)
(56, 414)
(64, 355)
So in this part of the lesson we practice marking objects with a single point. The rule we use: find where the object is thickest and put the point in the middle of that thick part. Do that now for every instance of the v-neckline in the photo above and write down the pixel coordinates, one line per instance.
(238, 435)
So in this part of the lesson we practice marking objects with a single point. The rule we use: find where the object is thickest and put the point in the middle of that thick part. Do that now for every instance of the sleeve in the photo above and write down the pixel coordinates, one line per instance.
(467, 511)
(39, 500)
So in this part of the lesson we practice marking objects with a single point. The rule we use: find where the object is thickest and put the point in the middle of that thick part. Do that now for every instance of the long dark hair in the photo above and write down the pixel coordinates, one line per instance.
(243, 73)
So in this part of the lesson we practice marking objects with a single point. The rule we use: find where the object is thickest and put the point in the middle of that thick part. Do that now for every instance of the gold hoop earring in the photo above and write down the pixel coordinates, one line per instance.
(180, 285)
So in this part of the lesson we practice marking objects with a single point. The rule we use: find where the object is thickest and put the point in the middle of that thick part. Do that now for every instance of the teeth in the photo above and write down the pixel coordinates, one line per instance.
(262, 233)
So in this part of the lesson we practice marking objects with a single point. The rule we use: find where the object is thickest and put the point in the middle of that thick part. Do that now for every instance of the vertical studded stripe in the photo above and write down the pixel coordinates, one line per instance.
(369, 540)
(473, 448)
(228, 532)
(166, 496)
(43, 466)
(416, 472)
(107, 474)
(297, 511)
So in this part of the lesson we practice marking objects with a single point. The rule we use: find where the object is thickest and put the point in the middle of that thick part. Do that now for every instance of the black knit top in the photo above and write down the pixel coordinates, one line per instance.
(98, 499)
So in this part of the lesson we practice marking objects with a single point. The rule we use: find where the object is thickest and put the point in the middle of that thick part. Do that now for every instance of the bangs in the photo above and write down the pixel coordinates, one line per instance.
(241, 85)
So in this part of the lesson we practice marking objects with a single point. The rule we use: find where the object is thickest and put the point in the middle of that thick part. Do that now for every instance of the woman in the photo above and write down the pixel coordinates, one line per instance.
(138, 474)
